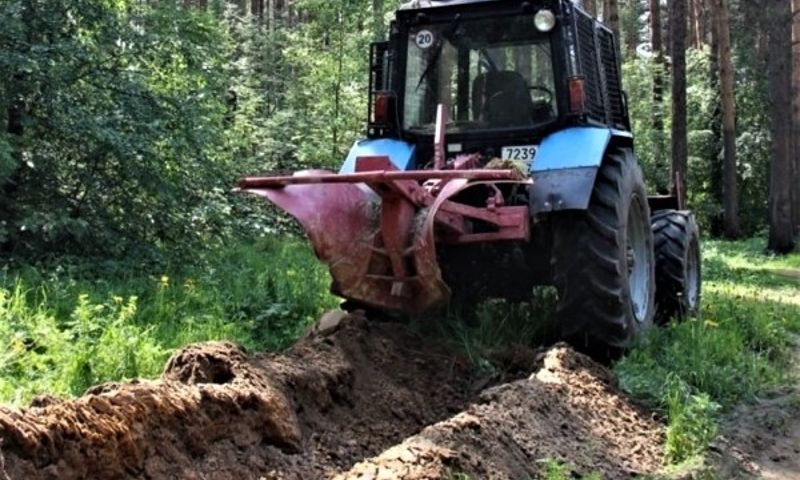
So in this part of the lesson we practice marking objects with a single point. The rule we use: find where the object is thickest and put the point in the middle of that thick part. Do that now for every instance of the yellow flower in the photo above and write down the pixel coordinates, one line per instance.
(164, 281)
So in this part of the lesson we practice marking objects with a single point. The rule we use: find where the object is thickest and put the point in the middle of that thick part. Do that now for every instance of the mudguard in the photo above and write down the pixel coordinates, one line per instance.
(565, 167)
(401, 154)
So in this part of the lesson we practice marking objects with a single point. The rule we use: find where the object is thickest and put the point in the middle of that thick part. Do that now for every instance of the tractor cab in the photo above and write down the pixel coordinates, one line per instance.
(503, 70)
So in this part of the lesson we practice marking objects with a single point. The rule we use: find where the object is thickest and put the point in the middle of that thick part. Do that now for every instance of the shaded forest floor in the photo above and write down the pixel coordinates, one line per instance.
(761, 438)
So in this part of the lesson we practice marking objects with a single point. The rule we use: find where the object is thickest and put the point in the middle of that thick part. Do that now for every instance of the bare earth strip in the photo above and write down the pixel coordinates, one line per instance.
(353, 398)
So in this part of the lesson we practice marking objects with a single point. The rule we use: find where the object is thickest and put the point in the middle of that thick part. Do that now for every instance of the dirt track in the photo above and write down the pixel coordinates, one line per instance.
(353, 399)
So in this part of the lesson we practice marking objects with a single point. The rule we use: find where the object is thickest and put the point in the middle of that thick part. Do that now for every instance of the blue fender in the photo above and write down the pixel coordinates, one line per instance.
(563, 170)
(565, 167)
(401, 154)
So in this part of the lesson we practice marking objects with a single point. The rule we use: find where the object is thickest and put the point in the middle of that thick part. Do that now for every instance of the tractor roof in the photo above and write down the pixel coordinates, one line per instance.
(417, 4)
(424, 4)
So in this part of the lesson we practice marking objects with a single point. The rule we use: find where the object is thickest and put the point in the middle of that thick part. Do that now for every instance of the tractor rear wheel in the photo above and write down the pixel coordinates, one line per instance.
(678, 276)
(603, 262)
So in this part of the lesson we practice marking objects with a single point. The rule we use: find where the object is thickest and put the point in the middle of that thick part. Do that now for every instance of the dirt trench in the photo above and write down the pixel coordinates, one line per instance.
(352, 399)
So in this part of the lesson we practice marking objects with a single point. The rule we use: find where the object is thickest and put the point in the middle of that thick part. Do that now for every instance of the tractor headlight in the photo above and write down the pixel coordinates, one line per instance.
(545, 20)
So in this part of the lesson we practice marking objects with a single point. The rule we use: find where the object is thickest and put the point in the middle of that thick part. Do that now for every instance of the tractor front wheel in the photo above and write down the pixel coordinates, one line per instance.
(603, 262)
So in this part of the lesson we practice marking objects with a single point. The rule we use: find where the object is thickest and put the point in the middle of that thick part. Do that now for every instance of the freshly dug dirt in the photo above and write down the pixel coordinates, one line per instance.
(345, 392)
(348, 391)
(570, 411)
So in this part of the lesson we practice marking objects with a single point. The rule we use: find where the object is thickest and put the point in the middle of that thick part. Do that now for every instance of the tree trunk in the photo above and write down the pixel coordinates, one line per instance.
(680, 152)
(691, 32)
(667, 32)
(257, 8)
(631, 28)
(717, 221)
(612, 15)
(591, 7)
(377, 15)
(730, 190)
(796, 110)
(658, 81)
(699, 19)
(779, 56)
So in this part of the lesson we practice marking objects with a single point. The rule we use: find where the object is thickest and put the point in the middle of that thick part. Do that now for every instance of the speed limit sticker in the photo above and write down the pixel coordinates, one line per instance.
(424, 39)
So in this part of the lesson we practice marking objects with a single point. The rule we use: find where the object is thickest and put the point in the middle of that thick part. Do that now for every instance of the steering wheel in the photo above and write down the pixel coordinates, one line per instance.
(547, 92)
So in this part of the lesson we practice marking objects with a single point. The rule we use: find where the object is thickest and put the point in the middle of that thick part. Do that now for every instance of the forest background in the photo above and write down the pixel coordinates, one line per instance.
(127, 122)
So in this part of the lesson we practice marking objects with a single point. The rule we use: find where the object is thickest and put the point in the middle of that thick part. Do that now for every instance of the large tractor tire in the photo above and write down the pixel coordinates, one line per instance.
(603, 262)
(678, 274)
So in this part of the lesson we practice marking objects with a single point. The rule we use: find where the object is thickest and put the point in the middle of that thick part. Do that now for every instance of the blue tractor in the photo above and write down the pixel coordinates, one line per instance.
(499, 157)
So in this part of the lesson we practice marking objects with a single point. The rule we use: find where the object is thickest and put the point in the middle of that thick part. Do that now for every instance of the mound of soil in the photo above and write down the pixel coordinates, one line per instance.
(348, 391)
(570, 411)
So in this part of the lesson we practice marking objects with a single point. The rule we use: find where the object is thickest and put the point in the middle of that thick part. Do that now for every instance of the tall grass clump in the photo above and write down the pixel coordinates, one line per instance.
(496, 324)
(65, 328)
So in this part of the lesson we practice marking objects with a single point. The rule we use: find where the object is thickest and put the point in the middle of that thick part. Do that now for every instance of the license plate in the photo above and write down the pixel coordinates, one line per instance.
(522, 153)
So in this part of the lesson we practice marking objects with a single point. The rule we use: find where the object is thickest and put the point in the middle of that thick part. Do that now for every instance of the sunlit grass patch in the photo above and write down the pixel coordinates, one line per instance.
(739, 347)
(65, 328)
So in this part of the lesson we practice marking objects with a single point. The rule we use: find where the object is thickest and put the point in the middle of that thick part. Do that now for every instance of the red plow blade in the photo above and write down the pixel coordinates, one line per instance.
(377, 229)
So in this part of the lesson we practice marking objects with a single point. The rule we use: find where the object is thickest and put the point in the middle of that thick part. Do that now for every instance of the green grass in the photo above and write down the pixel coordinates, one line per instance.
(495, 326)
(64, 328)
(740, 346)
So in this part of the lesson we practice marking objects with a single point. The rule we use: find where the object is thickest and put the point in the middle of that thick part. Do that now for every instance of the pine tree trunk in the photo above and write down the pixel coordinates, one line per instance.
(796, 110)
(612, 14)
(257, 8)
(717, 222)
(691, 32)
(699, 18)
(730, 190)
(680, 140)
(779, 57)
(658, 81)
(631, 28)
(377, 15)
(591, 7)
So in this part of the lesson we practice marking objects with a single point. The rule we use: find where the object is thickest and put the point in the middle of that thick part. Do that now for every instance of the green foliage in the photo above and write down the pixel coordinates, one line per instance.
(557, 470)
(692, 421)
(98, 342)
(121, 110)
(651, 145)
(66, 328)
(329, 57)
(704, 181)
(739, 347)
(137, 117)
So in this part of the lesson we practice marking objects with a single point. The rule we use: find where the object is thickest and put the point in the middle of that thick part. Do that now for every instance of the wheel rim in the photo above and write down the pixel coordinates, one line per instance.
(639, 260)
(693, 277)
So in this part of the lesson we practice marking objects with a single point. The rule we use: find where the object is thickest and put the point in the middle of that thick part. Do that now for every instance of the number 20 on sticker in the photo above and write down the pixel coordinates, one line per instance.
(424, 39)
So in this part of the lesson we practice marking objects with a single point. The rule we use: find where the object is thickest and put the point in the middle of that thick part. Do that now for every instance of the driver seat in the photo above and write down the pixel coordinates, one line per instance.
(502, 99)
